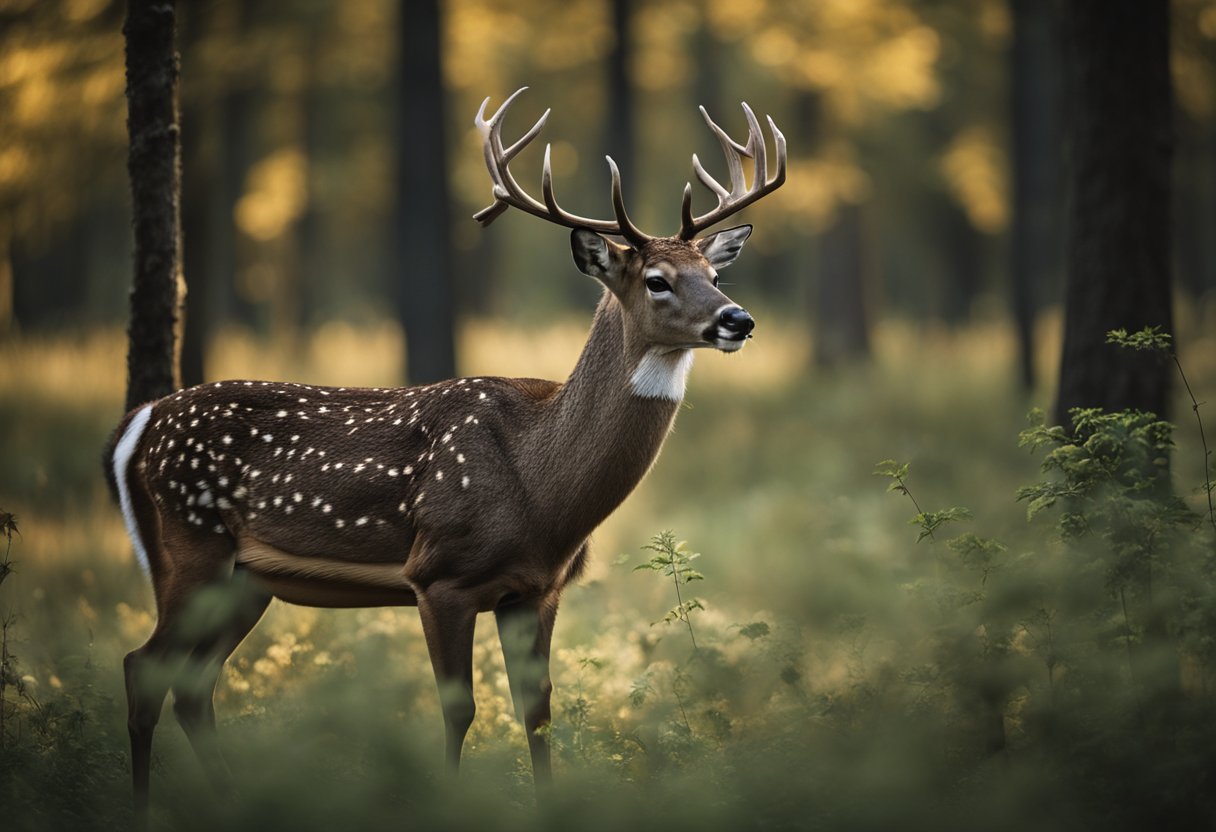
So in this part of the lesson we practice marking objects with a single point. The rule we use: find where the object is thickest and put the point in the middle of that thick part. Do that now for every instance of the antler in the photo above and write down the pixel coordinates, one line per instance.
(508, 193)
(739, 196)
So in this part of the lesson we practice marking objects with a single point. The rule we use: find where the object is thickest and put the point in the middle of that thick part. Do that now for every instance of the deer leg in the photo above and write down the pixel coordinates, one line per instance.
(525, 629)
(448, 620)
(194, 686)
(147, 682)
(183, 569)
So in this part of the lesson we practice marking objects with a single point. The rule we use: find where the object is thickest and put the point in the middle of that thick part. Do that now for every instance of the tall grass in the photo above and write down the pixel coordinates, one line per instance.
(819, 695)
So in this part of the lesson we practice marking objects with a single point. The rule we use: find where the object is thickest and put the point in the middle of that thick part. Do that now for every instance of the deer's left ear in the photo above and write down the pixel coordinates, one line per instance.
(722, 248)
(596, 256)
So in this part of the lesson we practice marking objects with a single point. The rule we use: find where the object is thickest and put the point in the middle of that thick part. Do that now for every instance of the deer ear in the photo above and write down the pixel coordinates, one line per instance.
(722, 248)
(596, 256)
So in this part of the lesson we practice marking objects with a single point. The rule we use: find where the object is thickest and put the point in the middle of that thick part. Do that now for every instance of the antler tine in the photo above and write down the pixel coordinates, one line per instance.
(755, 143)
(506, 190)
(686, 204)
(627, 229)
(779, 142)
(708, 181)
(513, 151)
(508, 193)
(732, 150)
(739, 196)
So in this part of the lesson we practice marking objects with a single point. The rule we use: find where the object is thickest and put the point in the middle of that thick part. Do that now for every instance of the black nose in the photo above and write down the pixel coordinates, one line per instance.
(735, 319)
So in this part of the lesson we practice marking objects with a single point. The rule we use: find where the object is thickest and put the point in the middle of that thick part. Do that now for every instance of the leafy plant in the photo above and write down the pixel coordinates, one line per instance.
(974, 635)
(928, 521)
(673, 560)
(1153, 339)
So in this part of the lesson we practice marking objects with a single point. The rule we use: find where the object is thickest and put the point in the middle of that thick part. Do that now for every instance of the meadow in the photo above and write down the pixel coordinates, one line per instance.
(844, 676)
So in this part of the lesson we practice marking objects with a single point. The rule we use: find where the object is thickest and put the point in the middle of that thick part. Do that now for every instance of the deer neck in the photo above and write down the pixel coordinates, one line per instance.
(604, 428)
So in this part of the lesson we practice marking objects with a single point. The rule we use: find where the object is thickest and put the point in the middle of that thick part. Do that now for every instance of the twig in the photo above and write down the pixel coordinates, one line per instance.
(1207, 455)
(675, 576)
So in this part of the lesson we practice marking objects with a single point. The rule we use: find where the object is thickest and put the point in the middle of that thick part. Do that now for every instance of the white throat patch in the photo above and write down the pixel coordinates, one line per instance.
(662, 375)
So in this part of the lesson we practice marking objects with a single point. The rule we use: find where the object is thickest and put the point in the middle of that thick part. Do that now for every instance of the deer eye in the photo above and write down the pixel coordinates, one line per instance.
(657, 285)
(715, 281)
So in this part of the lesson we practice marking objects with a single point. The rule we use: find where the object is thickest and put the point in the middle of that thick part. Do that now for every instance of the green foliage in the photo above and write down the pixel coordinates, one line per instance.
(1112, 473)
(671, 559)
(928, 521)
(844, 678)
(1150, 338)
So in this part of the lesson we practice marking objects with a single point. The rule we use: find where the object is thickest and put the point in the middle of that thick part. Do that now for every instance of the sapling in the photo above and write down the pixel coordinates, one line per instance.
(1153, 339)
(671, 559)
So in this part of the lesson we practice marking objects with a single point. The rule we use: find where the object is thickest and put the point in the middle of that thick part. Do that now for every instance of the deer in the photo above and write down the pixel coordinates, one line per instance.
(471, 495)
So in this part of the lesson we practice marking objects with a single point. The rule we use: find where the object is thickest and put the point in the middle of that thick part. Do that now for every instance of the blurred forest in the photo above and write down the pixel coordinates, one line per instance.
(925, 137)
(1054, 665)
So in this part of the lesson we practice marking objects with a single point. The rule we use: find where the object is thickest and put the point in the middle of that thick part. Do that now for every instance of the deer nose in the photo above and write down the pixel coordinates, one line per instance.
(735, 319)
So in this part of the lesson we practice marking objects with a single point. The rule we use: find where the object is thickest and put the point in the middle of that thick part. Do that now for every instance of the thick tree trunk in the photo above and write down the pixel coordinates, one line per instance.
(1036, 253)
(424, 257)
(1118, 103)
(154, 165)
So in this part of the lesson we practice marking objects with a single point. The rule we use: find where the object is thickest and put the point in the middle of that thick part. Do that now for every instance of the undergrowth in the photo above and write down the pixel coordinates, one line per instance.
(817, 665)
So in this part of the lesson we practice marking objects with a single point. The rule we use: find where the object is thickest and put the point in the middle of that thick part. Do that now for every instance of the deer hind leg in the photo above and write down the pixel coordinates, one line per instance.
(240, 606)
(525, 629)
(184, 574)
(449, 620)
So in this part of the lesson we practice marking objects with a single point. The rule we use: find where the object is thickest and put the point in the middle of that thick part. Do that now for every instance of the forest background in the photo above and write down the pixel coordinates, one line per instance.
(908, 283)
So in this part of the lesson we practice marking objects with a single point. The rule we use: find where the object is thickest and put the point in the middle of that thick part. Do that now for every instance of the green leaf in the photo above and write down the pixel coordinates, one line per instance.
(1148, 338)
(754, 630)
(891, 468)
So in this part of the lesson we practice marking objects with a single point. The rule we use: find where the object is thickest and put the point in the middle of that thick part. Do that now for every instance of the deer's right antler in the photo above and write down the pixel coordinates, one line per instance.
(508, 193)
(739, 196)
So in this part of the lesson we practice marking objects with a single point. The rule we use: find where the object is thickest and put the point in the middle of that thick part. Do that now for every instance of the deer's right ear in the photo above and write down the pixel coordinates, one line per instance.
(596, 256)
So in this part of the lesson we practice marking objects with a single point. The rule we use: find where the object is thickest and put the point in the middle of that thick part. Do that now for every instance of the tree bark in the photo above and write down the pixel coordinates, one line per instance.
(1036, 252)
(424, 257)
(197, 176)
(842, 324)
(620, 134)
(1118, 101)
(840, 301)
(154, 166)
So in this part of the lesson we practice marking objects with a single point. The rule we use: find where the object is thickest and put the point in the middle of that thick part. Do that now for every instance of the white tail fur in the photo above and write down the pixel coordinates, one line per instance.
(122, 461)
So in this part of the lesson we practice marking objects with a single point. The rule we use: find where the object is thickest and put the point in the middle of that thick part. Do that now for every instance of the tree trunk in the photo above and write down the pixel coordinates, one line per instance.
(962, 247)
(620, 132)
(842, 330)
(1118, 102)
(1195, 197)
(1036, 254)
(198, 174)
(424, 257)
(153, 163)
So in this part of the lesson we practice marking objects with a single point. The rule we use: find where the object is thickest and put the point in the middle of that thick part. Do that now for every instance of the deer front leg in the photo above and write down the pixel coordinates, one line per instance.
(448, 620)
(525, 629)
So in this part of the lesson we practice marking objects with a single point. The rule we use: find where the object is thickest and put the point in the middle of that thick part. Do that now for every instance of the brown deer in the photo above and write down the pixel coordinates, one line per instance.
(467, 496)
